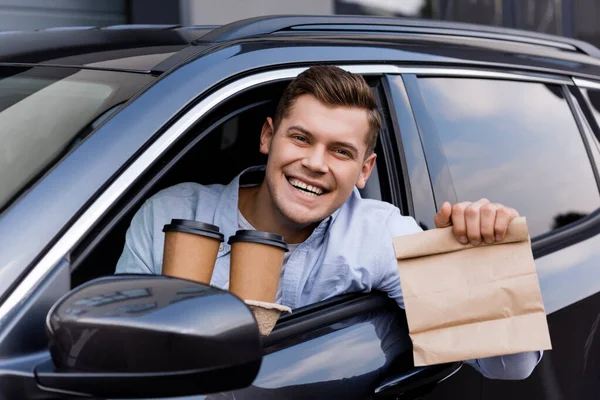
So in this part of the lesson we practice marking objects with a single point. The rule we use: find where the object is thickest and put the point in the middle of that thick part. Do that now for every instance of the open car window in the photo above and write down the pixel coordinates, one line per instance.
(214, 151)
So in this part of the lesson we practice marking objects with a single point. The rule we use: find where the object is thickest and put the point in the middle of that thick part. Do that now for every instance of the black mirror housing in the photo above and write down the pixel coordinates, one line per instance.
(150, 336)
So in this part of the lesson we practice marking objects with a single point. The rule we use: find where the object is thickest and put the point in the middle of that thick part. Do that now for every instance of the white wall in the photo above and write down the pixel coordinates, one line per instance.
(219, 12)
(39, 14)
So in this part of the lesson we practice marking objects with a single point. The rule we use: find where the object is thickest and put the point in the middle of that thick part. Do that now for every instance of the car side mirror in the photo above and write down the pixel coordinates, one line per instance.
(149, 336)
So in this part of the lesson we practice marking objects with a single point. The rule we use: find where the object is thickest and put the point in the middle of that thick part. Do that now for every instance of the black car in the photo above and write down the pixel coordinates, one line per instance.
(95, 121)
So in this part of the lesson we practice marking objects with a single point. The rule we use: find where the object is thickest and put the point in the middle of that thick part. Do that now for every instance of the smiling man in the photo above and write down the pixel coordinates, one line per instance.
(320, 146)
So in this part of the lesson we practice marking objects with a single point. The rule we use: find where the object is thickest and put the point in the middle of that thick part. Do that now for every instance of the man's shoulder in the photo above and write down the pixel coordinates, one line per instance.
(379, 207)
(372, 215)
(360, 209)
(362, 231)
(187, 191)
(184, 200)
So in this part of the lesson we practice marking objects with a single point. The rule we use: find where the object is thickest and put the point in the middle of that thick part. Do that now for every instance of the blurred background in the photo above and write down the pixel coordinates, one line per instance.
(572, 18)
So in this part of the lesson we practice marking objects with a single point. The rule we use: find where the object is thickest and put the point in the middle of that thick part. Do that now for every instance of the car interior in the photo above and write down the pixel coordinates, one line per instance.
(214, 150)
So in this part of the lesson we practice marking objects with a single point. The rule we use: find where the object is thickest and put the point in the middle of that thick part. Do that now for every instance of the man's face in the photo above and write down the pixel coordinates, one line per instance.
(316, 157)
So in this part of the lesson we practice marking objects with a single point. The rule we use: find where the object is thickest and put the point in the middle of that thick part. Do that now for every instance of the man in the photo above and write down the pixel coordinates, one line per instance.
(320, 150)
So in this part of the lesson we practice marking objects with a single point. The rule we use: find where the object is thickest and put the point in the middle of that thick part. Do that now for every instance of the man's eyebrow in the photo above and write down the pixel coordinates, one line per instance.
(299, 129)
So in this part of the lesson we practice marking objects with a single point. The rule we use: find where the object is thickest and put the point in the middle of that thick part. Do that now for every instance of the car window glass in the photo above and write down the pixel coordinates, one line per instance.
(515, 143)
(45, 111)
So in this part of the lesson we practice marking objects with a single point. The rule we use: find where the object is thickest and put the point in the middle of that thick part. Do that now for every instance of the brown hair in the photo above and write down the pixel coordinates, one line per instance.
(333, 86)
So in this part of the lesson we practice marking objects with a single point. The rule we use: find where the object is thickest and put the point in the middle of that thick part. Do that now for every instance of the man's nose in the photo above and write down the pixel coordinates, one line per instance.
(315, 160)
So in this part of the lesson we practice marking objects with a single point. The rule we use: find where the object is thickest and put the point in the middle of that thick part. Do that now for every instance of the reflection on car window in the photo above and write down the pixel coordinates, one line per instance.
(516, 143)
(44, 111)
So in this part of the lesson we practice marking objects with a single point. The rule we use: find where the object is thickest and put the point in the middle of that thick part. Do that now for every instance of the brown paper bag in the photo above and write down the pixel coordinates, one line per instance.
(465, 302)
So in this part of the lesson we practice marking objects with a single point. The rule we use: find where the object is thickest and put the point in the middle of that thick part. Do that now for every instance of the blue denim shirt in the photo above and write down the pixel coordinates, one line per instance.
(350, 251)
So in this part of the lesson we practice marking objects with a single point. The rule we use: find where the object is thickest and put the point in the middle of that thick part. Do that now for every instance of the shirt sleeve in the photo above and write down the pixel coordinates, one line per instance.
(389, 278)
(137, 253)
(509, 367)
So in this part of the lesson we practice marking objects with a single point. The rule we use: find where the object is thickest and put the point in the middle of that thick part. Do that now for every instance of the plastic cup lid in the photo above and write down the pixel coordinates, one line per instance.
(195, 227)
(260, 237)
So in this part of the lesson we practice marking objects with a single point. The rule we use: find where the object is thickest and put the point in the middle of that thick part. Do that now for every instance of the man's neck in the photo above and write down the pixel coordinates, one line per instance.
(256, 205)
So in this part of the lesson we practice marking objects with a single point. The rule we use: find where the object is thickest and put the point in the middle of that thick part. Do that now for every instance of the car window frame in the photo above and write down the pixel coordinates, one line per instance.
(584, 107)
(310, 317)
(152, 145)
(64, 246)
(392, 168)
(546, 243)
(584, 128)
(304, 320)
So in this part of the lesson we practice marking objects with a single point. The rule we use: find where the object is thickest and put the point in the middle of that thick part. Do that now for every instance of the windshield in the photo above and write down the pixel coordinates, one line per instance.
(45, 112)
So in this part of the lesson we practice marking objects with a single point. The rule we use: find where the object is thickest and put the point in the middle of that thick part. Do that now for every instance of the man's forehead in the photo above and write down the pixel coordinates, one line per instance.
(308, 100)
(310, 108)
(330, 122)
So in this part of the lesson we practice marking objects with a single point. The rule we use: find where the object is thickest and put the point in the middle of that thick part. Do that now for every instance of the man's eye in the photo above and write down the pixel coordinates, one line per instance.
(343, 153)
(299, 138)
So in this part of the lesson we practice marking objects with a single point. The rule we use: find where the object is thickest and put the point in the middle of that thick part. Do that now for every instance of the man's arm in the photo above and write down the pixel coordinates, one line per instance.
(137, 253)
(396, 225)
(514, 366)
(144, 241)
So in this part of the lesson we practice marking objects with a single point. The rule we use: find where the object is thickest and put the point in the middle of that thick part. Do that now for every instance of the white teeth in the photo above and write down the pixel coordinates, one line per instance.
(309, 190)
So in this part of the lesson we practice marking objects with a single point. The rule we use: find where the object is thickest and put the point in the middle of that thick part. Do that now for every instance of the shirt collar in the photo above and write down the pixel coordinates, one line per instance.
(226, 214)
(321, 229)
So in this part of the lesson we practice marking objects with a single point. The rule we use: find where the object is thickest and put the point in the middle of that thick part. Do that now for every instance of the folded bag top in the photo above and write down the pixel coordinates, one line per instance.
(438, 241)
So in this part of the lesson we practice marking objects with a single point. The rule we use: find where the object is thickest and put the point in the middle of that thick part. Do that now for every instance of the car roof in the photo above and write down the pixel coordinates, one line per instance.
(121, 47)
(157, 48)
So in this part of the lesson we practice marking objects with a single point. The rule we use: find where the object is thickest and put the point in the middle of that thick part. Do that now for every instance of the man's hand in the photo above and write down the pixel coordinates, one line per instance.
(476, 222)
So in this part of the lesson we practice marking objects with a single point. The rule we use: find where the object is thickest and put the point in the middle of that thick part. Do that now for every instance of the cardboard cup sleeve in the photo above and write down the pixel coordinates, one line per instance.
(266, 314)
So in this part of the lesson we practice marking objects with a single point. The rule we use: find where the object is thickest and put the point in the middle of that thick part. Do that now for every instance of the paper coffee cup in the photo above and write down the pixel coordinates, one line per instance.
(255, 265)
(191, 249)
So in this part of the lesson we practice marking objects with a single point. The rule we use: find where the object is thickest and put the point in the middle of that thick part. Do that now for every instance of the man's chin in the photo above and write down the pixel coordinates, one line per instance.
(304, 222)
(303, 218)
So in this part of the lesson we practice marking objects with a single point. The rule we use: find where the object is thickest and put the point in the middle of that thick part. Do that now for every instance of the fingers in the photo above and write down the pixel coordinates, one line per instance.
(476, 222)
(458, 222)
(473, 221)
(442, 218)
(504, 216)
(488, 222)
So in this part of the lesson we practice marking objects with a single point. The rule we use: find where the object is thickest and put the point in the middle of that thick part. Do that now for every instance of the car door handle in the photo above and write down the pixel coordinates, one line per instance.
(419, 379)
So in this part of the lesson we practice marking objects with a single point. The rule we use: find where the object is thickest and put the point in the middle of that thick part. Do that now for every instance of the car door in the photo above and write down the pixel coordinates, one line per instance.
(352, 346)
(524, 141)
(355, 346)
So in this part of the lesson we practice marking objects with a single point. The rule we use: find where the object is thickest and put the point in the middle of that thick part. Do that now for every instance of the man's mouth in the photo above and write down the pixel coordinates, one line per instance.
(309, 190)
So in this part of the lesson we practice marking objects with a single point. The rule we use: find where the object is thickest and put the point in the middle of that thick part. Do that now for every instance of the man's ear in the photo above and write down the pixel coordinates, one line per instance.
(366, 170)
(266, 135)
